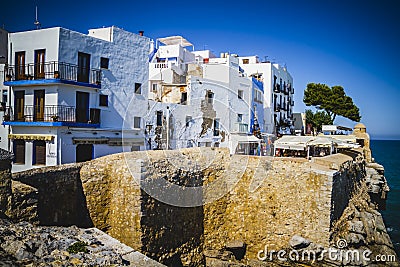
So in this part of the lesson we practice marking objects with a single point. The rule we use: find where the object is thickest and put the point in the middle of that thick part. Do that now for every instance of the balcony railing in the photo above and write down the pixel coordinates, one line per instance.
(277, 88)
(54, 113)
(52, 70)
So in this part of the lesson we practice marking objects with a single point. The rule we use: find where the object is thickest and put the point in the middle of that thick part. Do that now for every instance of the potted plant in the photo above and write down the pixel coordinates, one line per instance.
(8, 77)
(6, 117)
(56, 74)
(54, 118)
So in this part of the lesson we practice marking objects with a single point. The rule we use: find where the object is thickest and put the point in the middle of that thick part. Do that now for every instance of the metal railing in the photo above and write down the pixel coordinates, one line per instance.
(277, 88)
(52, 70)
(52, 113)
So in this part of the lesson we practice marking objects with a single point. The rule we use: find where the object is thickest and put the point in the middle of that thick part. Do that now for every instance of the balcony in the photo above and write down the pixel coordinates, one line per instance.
(286, 90)
(51, 72)
(56, 115)
(242, 127)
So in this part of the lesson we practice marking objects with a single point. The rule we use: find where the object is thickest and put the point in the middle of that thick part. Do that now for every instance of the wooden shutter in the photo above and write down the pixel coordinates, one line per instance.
(40, 152)
(19, 151)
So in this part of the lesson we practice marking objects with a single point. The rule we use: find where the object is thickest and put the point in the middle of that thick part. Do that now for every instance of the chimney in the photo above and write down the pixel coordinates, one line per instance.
(141, 33)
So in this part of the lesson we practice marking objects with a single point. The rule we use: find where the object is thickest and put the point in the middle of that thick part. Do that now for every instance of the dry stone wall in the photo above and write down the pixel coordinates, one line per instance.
(264, 200)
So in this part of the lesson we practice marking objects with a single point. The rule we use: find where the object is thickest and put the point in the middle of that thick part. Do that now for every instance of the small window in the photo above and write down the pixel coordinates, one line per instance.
(240, 118)
(184, 98)
(138, 88)
(188, 120)
(159, 118)
(136, 122)
(245, 61)
(39, 153)
(135, 148)
(240, 94)
(104, 62)
(103, 100)
(154, 87)
(210, 96)
(216, 127)
(4, 96)
(19, 151)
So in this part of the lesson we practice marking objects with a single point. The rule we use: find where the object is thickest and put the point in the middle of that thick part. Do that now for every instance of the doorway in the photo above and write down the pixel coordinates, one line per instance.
(39, 64)
(19, 114)
(82, 107)
(83, 67)
(38, 108)
(84, 152)
(20, 65)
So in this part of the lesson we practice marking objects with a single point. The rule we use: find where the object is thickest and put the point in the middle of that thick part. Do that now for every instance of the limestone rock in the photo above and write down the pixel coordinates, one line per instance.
(298, 242)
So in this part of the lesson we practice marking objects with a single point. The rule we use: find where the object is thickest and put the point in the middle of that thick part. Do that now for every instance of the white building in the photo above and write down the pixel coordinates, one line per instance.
(198, 99)
(3, 89)
(278, 91)
(70, 92)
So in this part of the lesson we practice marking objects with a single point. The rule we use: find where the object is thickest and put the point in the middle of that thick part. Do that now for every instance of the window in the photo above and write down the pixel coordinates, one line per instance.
(136, 122)
(138, 88)
(209, 97)
(245, 61)
(159, 118)
(216, 127)
(39, 153)
(135, 148)
(239, 117)
(240, 94)
(184, 98)
(154, 87)
(4, 100)
(104, 62)
(19, 151)
(103, 101)
(188, 120)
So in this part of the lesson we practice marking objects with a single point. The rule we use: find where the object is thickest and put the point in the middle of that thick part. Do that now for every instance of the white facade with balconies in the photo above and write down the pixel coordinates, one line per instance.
(197, 99)
(278, 91)
(70, 94)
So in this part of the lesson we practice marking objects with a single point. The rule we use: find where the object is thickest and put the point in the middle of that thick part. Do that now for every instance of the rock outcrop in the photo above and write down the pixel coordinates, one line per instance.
(23, 244)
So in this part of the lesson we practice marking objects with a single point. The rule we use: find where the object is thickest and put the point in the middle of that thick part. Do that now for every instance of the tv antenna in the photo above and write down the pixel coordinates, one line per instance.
(37, 23)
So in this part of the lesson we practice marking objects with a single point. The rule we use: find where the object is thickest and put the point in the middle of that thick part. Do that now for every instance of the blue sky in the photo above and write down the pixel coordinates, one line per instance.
(350, 43)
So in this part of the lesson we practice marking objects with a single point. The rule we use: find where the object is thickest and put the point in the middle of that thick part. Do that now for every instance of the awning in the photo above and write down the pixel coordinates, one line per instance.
(245, 139)
(89, 140)
(126, 142)
(290, 146)
(42, 137)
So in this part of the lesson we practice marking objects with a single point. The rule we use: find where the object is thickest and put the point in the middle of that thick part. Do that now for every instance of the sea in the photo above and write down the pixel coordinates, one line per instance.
(387, 153)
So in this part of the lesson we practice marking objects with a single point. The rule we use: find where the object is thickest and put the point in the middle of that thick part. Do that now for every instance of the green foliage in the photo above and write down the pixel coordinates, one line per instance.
(318, 119)
(76, 247)
(333, 101)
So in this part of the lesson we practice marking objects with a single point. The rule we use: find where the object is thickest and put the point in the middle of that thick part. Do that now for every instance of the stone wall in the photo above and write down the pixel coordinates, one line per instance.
(60, 196)
(274, 200)
(260, 200)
